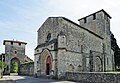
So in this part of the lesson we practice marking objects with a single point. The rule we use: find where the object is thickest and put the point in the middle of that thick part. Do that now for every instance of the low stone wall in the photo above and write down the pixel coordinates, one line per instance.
(93, 77)
(27, 69)
(7, 81)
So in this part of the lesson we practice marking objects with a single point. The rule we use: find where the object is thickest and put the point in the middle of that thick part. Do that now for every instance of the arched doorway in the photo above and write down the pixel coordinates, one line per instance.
(45, 63)
(48, 65)
(14, 65)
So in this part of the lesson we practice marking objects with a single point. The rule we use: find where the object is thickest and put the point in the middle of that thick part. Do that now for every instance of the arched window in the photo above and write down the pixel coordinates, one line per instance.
(48, 37)
(70, 67)
(79, 68)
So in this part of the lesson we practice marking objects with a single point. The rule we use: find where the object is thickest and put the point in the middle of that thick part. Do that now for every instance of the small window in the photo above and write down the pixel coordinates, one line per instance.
(37, 61)
(85, 20)
(19, 44)
(15, 52)
(37, 50)
(94, 16)
(51, 46)
(48, 36)
(11, 43)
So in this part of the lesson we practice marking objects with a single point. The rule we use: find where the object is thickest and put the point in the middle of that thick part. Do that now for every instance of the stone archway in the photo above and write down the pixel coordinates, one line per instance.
(14, 65)
(45, 62)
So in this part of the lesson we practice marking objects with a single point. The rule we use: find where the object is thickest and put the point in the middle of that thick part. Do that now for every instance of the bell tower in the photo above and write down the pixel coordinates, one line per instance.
(98, 22)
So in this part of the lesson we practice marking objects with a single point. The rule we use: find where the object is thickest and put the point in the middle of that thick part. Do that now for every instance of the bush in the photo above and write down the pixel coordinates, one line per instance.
(2, 65)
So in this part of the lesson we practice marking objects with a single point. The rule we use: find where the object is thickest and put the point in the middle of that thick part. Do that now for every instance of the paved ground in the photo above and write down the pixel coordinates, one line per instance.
(27, 79)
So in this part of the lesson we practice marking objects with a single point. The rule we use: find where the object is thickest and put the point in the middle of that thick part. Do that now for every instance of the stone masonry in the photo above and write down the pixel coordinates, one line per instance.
(27, 69)
(93, 77)
(65, 46)
(14, 51)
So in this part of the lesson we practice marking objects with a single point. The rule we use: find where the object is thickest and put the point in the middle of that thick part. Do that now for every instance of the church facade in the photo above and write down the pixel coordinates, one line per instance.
(65, 46)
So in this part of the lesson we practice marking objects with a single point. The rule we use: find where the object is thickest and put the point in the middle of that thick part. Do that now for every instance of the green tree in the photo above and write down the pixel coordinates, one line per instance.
(14, 67)
(2, 65)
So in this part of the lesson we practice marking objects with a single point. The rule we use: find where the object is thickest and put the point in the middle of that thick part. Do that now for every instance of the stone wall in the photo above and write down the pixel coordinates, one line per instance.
(72, 62)
(92, 77)
(79, 39)
(27, 69)
(51, 25)
(14, 50)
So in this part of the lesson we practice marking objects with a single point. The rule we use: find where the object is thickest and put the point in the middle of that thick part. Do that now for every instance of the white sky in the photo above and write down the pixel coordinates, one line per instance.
(20, 19)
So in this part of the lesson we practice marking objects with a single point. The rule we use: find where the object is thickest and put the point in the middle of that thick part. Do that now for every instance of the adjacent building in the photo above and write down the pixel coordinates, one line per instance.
(14, 52)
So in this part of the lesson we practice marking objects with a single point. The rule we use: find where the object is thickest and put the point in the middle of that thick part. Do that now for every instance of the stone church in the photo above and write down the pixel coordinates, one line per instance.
(65, 46)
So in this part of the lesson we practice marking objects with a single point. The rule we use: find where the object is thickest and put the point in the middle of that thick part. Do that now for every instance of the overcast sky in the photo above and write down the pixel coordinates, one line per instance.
(20, 19)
